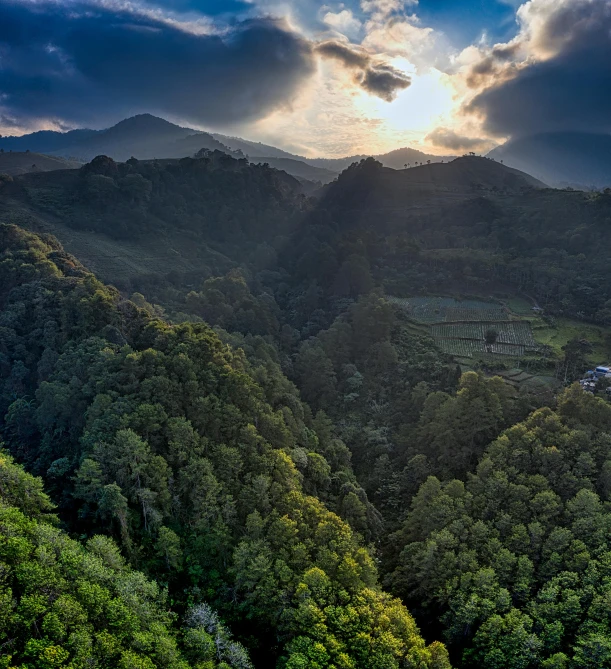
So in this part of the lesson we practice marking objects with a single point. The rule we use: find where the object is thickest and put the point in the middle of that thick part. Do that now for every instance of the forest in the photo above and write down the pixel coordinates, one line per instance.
(264, 461)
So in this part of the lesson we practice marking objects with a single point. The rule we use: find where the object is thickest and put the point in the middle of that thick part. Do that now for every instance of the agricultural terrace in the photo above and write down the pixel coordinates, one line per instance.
(447, 310)
(460, 327)
(509, 332)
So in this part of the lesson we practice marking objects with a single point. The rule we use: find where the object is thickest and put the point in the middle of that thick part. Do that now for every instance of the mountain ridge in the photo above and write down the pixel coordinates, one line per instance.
(146, 136)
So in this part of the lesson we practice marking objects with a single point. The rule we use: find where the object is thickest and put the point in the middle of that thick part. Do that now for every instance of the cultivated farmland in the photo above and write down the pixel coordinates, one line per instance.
(509, 332)
(447, 309)
(469, 348)
(461, 327)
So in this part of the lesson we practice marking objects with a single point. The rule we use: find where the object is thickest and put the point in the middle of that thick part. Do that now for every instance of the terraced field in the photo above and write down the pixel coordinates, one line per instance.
(474, 314)
(447, 309)
(468, 348)
(460, 327)
(510, 332)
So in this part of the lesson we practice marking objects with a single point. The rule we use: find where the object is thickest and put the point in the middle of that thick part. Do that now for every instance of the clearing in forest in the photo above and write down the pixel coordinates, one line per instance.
(447, 309)
(470, 328)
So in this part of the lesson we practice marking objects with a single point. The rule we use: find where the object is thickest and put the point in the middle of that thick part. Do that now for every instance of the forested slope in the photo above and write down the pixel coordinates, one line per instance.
(68, 605)
(295, 432)
(513, 561)
(212, 483)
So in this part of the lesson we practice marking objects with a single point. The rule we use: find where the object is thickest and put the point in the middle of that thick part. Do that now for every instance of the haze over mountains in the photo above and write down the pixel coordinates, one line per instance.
(560, 159)
(24, 163)
(146, 136)
(576, 159)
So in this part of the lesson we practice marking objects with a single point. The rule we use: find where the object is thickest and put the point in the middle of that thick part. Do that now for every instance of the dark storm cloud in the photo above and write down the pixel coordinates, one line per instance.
(376, 78)
(348, 54)
(384, 81)
(86, 63)
(489, 66)
(569, 91)
(448, 139)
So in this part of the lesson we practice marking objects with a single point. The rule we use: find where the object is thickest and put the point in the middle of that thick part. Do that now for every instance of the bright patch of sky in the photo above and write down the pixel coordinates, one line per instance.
(317, 77)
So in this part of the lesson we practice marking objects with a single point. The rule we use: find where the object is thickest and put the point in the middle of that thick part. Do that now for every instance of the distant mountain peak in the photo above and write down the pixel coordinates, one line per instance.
(146, 123)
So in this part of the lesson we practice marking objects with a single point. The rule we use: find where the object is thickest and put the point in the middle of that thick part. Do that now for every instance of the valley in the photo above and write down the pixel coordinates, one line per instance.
(283, 386)
(305, 334)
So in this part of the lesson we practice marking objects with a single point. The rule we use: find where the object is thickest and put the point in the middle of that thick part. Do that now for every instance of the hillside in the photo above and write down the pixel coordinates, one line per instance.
(166, 213)
(143, 136)
(297, 168)
(580, 160)
(469, 173)
(146, 137)
(396, 159)
(46, 141)
(369, 185)
(14, 163)
(254, 149)
(261, 428)
(214, 477)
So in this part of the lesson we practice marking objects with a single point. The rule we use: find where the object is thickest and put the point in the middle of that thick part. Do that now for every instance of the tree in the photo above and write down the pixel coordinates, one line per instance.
(354, 277)
(491, 336)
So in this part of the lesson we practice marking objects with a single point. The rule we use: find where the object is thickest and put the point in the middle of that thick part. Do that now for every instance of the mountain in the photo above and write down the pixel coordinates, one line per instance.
(146, 136)
(298, 168)
(255, 149)
(14, 163)
(47, 141)
(370, 184)
(143, 136)
(396, 159)
(470, 172)
(577, 159)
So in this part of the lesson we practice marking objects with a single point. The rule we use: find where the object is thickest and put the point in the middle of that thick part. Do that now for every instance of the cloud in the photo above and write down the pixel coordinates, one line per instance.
(377, 78)
(351, 56)
(446, 138)
(343, 22)
(555, 76)
(86, 63)
(208, 7)
(385, 81)
(381, 9)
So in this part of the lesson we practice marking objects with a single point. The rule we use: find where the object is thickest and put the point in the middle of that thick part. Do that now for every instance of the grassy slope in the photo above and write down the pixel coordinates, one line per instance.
(20, 162)
(114, 261)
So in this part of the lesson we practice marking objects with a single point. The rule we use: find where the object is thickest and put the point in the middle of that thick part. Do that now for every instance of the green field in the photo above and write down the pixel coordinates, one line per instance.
(447, 309)
(516, 333)
(459, 327)
(469, 348)
(563, 330)
(520, 306)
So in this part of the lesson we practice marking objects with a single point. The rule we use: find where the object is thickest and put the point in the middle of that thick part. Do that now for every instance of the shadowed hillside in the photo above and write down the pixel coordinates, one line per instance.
(576, 159)
(14, 163)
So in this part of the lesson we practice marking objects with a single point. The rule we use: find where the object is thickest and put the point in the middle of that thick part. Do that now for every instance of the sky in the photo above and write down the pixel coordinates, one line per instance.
(315, 78)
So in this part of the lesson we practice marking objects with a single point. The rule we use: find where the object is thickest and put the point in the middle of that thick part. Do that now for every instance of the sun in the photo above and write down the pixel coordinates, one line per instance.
(426, 104)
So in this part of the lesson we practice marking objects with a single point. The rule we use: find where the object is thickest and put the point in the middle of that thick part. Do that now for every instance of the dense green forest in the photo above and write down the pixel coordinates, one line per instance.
(161, 437)
(65, 604)
(273, 450)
